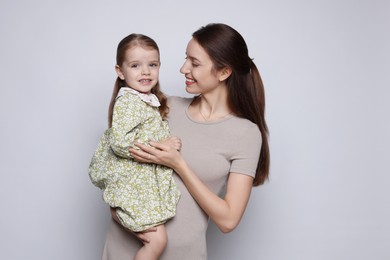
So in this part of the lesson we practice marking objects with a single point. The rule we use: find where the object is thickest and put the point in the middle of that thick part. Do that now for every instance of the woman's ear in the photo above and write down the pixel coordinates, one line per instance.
(225, 73)
(119, 72)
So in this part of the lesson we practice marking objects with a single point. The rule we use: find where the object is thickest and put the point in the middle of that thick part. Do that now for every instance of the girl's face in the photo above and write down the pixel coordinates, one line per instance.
(198, 69)
(140, 68)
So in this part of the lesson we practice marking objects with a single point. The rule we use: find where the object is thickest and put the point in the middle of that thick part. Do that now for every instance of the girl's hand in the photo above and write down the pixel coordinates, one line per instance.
(142, 236)
(173, 141)
(157, 153)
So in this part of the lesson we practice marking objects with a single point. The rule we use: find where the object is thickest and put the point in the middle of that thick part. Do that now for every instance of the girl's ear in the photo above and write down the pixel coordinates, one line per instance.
(225, 73)
(119, 72)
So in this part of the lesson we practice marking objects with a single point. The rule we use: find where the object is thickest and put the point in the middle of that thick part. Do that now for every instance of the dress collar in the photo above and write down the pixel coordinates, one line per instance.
(150, 99)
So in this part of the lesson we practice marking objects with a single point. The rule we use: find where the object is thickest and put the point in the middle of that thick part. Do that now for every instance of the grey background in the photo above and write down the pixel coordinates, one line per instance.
(325, 65)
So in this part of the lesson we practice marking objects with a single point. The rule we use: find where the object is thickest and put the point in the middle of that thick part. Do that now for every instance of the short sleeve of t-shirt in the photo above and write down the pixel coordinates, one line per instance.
(248, 151)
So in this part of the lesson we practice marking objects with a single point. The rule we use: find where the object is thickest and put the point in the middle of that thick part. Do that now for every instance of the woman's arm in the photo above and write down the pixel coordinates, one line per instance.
(226, 213)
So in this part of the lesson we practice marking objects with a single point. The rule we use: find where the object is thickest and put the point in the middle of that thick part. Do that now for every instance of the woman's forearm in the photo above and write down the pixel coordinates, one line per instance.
(226, 213)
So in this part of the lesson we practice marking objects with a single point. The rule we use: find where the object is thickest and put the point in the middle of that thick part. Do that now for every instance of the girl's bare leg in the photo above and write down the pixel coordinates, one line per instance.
(157, 242)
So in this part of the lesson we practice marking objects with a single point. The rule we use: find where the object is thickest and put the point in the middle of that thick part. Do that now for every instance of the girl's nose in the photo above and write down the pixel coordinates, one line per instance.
(145, 70)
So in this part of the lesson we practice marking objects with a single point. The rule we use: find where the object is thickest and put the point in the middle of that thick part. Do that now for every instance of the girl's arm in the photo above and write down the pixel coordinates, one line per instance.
(128, 114)
(225, 212)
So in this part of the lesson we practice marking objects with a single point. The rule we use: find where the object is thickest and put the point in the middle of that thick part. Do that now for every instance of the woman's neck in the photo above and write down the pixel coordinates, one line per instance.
(211, 106)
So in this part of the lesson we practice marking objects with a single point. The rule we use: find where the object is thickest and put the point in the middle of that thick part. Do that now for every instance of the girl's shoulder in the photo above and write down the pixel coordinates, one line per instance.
(123, 94)
(126, 98)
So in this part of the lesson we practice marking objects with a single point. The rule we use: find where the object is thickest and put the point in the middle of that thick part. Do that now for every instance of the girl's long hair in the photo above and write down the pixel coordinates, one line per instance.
(227, 48)
(125, 44)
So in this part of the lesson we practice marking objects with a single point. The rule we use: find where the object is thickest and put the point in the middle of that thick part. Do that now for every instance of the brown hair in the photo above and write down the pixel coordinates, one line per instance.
(227, 48)
(126, 43)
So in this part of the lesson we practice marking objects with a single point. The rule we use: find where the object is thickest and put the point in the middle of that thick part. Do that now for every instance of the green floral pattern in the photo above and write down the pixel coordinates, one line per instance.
(145, 195)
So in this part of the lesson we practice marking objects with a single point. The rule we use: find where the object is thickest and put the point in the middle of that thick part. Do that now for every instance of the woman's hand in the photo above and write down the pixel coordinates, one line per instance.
(173, 141)
(157, 153)
(142, 236)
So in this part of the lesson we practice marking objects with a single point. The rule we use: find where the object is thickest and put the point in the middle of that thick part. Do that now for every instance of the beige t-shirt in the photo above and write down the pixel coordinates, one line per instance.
(212, 150)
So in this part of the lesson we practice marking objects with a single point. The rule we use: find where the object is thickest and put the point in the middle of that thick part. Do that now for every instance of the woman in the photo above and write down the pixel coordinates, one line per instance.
(224, 145)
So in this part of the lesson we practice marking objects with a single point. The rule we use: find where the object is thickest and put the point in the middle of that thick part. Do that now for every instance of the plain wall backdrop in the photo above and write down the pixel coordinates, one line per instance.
(325, 66)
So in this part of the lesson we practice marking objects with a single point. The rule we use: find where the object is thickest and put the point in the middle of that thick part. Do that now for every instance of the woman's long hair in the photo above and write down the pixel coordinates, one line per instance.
(227, 48)
(125, 44)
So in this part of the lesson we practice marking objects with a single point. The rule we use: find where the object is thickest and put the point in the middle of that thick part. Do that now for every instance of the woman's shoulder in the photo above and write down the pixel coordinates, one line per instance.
(244, 126)
(179, 101)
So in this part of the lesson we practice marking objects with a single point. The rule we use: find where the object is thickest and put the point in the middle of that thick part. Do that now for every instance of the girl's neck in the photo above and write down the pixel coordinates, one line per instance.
(138, 90)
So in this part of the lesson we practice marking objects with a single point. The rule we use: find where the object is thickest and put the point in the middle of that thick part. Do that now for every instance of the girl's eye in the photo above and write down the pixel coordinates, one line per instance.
(134, 66)
(153, 65)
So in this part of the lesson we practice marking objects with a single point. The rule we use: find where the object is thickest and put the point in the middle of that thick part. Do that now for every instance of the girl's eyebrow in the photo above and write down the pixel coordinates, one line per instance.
(138, 61)
(132, 61)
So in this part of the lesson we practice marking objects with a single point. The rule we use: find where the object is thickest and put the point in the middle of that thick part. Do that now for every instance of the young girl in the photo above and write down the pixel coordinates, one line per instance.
(143, 195)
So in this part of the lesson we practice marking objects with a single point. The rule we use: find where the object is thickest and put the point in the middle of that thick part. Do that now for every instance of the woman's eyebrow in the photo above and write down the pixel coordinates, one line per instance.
(193, 58)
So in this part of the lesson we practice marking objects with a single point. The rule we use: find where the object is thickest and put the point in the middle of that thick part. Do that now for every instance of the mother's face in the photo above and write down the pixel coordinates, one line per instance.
(198, 69)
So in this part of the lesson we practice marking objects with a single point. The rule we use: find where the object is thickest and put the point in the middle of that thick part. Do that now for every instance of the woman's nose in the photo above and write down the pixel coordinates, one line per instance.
(184, 69)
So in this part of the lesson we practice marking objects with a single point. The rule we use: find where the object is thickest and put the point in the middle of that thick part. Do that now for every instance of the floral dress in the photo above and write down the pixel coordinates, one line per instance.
(144, 194)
